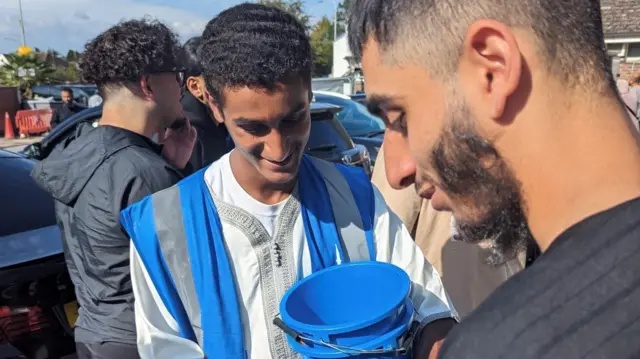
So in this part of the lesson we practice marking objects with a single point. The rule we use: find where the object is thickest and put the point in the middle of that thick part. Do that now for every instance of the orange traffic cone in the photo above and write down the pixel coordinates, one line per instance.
(8, 127)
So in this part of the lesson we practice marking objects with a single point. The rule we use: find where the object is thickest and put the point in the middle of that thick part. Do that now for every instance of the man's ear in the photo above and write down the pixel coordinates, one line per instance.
(217, 111)
(194, 87)
(145, 87)
(491, 62)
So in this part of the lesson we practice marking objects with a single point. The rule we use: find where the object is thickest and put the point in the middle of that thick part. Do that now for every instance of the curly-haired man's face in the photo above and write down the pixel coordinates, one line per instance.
(167, 93)
(270, 128)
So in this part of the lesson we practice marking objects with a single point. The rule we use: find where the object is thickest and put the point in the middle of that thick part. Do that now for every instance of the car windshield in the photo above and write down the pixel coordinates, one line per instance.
(355, 117)
(327, 135)
(90, 91)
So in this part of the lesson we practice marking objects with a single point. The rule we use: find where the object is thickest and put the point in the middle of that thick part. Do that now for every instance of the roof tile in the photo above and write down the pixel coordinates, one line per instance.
(620, 16)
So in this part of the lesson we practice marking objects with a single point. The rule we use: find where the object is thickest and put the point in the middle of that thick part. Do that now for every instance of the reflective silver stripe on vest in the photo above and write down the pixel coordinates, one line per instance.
(173, 243)
(345, 211)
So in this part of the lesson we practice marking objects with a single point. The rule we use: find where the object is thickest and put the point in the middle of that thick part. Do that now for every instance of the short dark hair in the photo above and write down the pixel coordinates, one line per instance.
(568, 33)
(130, 50)
(255, 46)
(67, 89)
(192, 60)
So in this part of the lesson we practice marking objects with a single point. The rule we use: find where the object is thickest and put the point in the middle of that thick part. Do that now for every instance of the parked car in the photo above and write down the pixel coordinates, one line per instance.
(81, 93)
(37, 300)
(329, 140)
(363, 127)
(360, 98)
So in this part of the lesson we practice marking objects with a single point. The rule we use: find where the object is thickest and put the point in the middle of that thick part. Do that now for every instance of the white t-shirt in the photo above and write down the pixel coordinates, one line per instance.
(222, 182)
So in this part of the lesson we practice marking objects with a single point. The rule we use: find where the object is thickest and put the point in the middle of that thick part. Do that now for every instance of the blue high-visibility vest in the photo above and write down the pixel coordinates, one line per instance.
(186, 214)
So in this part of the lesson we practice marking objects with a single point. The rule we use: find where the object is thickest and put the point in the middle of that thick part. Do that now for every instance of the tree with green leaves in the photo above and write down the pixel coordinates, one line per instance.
(322, 44)
(293, 7)
(66, 74)
(344, 10)
(25, 72)
(72, 55)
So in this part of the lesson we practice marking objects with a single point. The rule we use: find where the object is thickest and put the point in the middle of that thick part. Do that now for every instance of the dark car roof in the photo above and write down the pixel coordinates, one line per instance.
(9, 154)
(70, 123)
(317, 107)
(28, 229)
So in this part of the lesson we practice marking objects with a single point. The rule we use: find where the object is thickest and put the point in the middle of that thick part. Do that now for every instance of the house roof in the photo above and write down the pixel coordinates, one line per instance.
(52, 59)
(620, 17)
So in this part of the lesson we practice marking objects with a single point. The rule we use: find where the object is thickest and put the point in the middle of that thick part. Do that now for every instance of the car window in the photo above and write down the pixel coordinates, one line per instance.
(327, 134)
(42, 91)
(355, 117)
(90, 91)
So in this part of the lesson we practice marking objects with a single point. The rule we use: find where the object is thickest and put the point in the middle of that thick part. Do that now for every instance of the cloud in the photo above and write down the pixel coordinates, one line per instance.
(81, 15)
(69, 24)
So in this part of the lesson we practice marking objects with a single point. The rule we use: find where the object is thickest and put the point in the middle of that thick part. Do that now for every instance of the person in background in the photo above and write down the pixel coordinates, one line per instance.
(97, 172)
(506, 113)
(467, 276)
(213, 138)
(67, 109)
(630, 100)
(95, 100)
(213, 256)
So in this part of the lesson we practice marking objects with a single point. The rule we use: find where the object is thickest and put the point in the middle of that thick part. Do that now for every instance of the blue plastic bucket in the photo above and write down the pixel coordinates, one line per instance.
(384, 347)
(362, 305)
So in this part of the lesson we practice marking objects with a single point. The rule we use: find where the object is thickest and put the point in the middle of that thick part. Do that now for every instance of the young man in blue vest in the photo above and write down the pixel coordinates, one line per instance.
(213, 256)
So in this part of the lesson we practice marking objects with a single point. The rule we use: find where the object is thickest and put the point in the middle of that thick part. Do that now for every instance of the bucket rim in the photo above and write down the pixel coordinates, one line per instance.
(304, 327)
(397, 332)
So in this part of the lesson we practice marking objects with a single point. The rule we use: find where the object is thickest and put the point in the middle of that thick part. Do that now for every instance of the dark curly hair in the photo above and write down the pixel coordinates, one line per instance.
(130, 50)
(192, 60)
(255, 46)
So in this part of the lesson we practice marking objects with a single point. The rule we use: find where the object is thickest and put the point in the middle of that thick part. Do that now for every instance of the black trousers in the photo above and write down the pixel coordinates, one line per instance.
(107, 350)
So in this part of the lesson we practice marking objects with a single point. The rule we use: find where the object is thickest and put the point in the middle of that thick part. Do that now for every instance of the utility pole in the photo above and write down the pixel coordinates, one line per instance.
(24, 41)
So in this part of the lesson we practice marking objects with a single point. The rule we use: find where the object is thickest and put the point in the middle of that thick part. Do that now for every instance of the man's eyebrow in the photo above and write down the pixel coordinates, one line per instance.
(242, 121)
(295, 111)
(376, 102)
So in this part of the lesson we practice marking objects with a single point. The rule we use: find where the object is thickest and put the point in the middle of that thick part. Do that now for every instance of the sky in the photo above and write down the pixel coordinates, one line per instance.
(68, 24)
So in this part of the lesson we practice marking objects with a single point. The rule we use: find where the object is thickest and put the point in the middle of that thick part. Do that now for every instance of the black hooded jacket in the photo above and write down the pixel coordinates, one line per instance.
(213, 139)
(93, 175)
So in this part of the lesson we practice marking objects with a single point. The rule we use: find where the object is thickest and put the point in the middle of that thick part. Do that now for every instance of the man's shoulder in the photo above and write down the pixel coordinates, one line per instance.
(481, 334)
(134, 163)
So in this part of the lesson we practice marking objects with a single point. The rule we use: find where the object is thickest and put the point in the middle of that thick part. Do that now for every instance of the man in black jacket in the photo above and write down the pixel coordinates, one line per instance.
(68, 108)
(213, 139)
(97, 172)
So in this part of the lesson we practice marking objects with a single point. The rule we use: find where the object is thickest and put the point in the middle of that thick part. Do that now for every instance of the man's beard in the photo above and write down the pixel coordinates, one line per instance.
(490, 192)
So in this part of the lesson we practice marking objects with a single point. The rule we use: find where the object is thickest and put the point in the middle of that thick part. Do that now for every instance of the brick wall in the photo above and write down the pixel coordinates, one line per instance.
(626, 69)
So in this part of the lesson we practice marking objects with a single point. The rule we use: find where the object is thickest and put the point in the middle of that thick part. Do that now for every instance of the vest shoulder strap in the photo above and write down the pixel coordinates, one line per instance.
(352, 199)
(139, 222)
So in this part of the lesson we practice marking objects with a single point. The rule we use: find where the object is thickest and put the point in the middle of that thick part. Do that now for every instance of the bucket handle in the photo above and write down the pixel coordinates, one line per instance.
(405, 346)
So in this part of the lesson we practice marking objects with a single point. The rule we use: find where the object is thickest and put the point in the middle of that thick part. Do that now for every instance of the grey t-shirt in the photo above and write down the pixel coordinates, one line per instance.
(580, 299)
